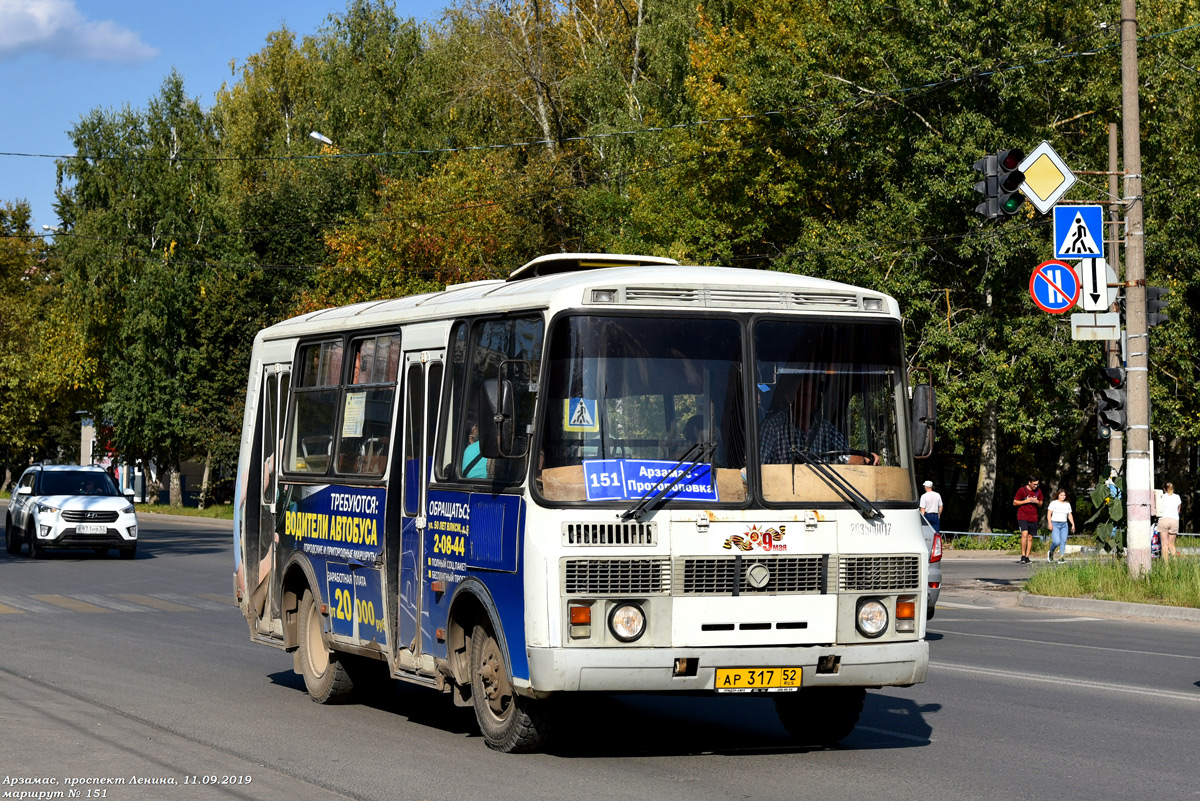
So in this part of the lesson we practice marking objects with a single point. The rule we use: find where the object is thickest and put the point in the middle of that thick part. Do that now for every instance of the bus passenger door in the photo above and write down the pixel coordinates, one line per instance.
(422, 395)
(261, 556)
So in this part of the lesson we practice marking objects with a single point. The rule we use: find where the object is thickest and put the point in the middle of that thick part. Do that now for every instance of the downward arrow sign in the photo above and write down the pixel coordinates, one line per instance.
(1095, 283)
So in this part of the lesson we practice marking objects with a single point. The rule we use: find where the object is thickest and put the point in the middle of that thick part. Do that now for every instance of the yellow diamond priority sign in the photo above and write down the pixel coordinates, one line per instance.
(1047, 177)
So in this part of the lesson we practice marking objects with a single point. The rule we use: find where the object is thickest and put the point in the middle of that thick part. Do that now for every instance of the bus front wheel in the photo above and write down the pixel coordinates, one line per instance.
(325, 677)
(508, 722)
(820, 715)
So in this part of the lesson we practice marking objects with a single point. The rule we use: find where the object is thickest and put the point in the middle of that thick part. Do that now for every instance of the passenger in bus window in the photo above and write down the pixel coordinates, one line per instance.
(473, 463)
(796, 430)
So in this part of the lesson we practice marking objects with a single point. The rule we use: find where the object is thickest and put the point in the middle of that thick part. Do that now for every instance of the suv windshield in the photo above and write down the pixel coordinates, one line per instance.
(76, 482)
(831, 394)
(628, 398)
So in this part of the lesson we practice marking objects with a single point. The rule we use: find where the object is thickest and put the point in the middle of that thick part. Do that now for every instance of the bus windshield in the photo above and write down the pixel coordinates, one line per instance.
(635, 405)
(830, 394)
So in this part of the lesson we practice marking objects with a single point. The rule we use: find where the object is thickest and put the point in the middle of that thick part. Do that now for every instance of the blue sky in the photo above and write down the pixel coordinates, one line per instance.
(60, 59)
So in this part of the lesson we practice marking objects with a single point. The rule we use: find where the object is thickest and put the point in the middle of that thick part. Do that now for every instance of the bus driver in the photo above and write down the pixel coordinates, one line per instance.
(797, 430)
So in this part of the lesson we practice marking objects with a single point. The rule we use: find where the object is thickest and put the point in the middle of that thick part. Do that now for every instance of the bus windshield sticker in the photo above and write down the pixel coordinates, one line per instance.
(353, 414)
(579, 414)
(630, 479)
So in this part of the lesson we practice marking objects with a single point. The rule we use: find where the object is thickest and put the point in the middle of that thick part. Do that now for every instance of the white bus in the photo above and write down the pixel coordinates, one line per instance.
(605, 474)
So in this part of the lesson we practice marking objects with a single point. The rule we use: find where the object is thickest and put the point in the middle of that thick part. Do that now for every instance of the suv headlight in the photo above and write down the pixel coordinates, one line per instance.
(47, 509)
(128, 510)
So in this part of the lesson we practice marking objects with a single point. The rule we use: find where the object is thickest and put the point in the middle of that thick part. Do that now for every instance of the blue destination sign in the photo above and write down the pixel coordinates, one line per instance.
(630, 479)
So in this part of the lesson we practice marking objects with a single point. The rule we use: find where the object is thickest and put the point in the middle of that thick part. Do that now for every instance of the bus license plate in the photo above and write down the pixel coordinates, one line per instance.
(91, 528)
(758, 680)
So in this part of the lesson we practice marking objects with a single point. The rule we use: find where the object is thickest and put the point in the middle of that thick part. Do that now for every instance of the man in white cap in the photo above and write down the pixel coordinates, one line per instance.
(931, 507)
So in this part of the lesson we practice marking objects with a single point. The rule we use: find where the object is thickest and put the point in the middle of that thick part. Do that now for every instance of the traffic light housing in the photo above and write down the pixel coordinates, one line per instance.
(1009, 179)
(1110, 402)
(1156, 302)
(1001, 184)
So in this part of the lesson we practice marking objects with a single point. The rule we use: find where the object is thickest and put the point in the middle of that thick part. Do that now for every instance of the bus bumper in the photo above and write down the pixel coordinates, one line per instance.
(653, 669)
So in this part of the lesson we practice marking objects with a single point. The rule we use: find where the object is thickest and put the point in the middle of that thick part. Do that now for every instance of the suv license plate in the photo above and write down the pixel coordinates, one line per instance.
(758, 680)
(91, 528)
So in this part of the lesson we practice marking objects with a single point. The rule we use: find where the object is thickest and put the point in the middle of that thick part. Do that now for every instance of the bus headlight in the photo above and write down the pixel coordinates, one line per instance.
(627, 622)
(872, 618)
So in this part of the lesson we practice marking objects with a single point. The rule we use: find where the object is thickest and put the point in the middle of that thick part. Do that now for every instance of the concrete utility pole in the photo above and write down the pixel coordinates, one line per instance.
(1139, 470)
(1112, 349)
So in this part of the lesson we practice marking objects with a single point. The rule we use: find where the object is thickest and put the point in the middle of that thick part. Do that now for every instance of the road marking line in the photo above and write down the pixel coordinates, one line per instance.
(1061, 619)
(26, 605)
(912, 737)
(189, 600)
(8, 610)
(950, 605)
(71, 604)
(223, 600)
(1066, 682)
(1065, 644)
(156, 603)
(110, 602)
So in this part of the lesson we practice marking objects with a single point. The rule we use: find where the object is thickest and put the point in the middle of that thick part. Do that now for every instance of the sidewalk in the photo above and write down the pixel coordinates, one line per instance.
(985, 592)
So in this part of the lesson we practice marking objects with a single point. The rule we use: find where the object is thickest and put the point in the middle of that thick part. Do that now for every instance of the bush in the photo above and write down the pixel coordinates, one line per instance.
(1107, 578)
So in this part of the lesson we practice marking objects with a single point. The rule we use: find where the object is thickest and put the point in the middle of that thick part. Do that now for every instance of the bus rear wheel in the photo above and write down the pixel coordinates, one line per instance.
(508, 722)
(820, 715)
(325, 677)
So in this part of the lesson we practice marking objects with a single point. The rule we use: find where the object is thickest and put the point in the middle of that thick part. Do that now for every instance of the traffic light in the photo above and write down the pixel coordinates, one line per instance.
(1001, 184)
(1110, 402)
(1156, 301)
(1009, 179)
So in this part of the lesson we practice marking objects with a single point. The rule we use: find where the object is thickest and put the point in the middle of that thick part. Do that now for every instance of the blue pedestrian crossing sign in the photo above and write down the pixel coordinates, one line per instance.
(1078, 232)
(1054, 286)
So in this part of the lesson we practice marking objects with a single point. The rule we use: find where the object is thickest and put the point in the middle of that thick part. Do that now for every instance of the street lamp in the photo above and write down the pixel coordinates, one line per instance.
(325, 140)
(320, 137)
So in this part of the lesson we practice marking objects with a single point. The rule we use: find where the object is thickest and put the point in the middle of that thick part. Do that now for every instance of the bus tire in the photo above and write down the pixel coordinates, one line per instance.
(11, 543)
(820, 715)
(508, 722)
(325, 677)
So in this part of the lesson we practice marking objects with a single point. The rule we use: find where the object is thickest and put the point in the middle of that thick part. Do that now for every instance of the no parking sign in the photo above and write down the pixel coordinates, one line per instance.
(1054, 286)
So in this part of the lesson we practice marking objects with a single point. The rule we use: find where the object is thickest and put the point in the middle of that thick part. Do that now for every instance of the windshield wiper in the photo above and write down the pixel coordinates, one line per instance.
(692, 457)
(843, 488)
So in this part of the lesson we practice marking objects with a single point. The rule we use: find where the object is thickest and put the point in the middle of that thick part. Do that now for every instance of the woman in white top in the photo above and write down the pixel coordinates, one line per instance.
(1060, 518)
(1168, 521)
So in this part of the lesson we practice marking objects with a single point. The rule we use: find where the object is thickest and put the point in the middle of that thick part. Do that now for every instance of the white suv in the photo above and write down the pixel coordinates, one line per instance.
(68, 506)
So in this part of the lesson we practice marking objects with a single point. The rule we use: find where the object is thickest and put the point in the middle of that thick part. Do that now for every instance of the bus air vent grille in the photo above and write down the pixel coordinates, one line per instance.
(630, 533)
(840, 300)
(664, 296)
(879, 573)
(757, 298)
(617, 576)
(785, 575)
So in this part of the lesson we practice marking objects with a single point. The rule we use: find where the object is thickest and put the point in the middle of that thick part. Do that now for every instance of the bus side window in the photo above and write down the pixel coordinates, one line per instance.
(505, 351)
(414, 418)
(314, 408)
(451, 441)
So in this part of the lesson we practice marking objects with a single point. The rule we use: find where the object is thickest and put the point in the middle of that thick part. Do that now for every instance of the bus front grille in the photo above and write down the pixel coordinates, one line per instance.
(879, 573)
(617, 577)
(630, 533)
(730, 575)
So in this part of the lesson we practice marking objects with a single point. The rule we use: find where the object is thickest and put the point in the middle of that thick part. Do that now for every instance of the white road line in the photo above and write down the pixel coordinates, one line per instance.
(1060, 619)
(28, 604)
(188, 600)
(897, 734)
(1064, 644)
(950, 605)
(1069, 682)
(109, 602)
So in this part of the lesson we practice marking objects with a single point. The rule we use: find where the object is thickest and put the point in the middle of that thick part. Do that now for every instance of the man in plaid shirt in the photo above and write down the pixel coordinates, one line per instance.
(795, 432)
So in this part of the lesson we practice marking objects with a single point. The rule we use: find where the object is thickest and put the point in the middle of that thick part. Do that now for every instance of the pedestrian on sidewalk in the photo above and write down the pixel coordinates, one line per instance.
(1168, 521)
(1028, 501)
(931, 507)
(1060, 517)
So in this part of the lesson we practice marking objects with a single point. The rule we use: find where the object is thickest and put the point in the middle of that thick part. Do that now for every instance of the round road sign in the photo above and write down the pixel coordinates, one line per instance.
(1054, 286)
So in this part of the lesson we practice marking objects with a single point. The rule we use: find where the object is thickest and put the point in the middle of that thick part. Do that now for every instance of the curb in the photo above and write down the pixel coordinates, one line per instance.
(1120, 608)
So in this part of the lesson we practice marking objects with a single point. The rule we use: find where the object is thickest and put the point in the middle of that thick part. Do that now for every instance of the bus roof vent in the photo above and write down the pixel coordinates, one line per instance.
(747, 296)
(840, 300)
(576, 262)
(664, 296)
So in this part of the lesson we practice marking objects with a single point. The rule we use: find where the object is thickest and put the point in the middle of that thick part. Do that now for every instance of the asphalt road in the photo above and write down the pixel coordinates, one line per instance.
(144, 670)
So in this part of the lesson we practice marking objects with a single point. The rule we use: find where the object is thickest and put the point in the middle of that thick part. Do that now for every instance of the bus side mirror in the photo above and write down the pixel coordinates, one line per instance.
(497, 424)
(924, 420)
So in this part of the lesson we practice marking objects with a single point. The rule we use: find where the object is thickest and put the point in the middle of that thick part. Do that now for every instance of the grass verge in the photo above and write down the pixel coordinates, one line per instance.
(1107, 579)
(220, 512)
